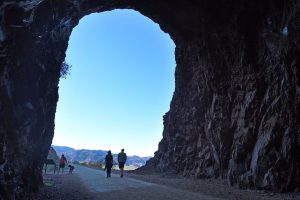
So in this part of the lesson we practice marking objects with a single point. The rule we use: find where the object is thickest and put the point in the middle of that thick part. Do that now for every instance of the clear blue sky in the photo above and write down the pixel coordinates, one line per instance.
(121, 84)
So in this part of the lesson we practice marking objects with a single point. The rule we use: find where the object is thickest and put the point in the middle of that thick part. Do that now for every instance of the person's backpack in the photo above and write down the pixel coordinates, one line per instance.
(62, 161)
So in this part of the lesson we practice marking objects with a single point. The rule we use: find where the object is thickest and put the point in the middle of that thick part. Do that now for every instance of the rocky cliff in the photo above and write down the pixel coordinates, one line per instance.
(236, 100)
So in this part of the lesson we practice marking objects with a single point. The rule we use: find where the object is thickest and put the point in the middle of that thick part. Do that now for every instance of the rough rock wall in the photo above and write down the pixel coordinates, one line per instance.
(236, 100)
(234, 111)
(29, 75)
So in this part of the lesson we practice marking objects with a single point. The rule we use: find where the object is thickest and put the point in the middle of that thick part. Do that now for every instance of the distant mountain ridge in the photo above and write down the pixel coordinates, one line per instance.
(86, 155)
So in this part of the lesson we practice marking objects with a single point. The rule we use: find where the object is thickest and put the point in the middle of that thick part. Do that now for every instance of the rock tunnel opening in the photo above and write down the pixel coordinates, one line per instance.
(237, 80)
(121, 84)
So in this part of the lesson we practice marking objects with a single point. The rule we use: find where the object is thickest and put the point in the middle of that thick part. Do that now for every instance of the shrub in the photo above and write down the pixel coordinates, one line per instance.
(65, 70)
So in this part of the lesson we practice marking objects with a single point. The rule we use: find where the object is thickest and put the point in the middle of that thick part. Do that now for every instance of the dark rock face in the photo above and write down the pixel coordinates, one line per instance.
(236, 100)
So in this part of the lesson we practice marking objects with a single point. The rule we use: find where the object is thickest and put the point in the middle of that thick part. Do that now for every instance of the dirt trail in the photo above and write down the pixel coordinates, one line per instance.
(91, 184)
(131, 189)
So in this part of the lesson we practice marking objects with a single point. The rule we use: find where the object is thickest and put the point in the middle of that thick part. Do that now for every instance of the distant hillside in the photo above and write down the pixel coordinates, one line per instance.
(63, 150)
(85, 155)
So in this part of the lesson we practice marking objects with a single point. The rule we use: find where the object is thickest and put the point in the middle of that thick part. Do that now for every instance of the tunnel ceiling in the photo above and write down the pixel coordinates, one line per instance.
(234, 113)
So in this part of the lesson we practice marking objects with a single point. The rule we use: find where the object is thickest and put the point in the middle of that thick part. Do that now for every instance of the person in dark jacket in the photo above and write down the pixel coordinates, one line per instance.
(122, 157)
(108, 164)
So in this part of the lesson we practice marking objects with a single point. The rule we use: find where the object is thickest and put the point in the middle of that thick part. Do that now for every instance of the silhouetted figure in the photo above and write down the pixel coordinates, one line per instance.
(62, 163)
(122, 157)
(108, 164)
(71, 168)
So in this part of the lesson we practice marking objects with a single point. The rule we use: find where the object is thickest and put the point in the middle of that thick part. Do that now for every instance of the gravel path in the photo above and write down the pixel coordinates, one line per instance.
(91, 184)
(131, 189)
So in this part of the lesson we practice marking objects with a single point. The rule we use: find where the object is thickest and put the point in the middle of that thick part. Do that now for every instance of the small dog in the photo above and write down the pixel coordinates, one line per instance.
(71, 168)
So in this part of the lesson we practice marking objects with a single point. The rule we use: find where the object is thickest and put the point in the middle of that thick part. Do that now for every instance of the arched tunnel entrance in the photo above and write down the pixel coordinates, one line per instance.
(234, 112)
(121, 84)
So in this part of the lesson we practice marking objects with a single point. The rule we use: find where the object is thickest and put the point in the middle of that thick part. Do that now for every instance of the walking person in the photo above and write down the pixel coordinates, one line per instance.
(108, 164)
(62, 163)
(122, 157)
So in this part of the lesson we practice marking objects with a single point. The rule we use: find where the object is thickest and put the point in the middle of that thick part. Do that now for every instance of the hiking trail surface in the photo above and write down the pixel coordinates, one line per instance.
(87, 183)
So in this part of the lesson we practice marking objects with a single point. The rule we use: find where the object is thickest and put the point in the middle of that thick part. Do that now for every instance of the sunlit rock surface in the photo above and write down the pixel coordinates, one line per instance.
(52, 155)
(234, 113)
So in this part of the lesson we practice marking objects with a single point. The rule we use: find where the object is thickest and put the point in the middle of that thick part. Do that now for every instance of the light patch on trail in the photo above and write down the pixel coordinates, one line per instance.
(97, 181)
